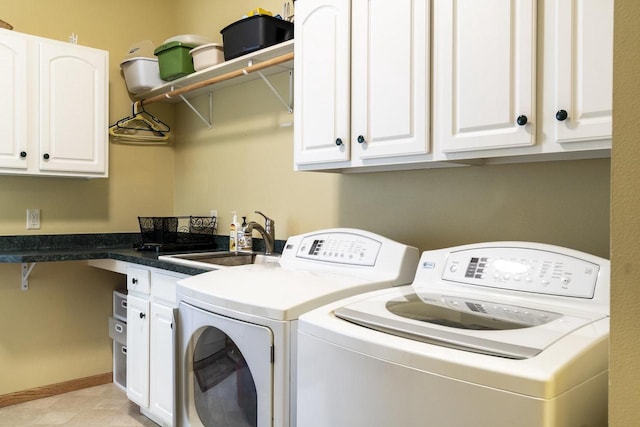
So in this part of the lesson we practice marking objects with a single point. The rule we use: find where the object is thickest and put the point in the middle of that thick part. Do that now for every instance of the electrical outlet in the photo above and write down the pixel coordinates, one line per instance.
(213, 212)
(33, 219)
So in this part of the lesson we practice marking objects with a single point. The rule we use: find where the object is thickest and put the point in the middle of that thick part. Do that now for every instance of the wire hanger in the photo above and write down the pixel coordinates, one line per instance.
(140, 126)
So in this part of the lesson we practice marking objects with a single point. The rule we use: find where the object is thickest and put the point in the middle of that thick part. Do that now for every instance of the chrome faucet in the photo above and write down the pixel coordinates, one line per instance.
(268, 232)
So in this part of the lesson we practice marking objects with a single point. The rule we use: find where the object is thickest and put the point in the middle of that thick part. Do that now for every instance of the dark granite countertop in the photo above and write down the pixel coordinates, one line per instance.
(74, 247)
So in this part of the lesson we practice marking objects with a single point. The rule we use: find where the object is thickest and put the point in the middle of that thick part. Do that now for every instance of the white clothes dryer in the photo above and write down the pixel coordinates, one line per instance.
(497, 334)
(237, 327)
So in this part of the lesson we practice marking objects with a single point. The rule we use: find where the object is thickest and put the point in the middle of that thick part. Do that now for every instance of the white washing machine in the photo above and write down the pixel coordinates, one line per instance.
(237, 327)
(497, 334)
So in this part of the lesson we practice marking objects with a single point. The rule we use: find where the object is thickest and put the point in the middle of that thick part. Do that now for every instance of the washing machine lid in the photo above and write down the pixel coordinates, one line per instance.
(466, 323)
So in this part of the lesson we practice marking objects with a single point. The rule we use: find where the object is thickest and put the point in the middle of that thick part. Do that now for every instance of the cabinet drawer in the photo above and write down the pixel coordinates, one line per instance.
(118, 330)
(120, 365)
(120, 305)
(138, 280)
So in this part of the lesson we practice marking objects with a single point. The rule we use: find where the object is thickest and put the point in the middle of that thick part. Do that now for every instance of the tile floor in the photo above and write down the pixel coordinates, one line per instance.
(100, 406)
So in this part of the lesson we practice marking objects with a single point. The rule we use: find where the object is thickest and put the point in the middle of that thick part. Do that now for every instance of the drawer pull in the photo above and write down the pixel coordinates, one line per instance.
(123, 303)
(562, 115)
(522, 120)
(119, 329)
(123, 349)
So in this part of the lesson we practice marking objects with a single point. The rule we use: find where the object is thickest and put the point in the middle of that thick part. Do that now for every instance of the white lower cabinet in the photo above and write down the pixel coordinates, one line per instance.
(138, 350)
(150, 375)
(161, 382)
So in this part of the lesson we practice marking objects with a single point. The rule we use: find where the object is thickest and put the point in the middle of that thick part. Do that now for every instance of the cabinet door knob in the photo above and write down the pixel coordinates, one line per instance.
(361, 139)
(23, 154)
(45, 156)
(522, 120)
(134, 280)
(339, 142)
(561, 115)
(142, 315)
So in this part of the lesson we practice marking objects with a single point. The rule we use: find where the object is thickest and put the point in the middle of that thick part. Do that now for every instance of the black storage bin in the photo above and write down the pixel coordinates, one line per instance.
(254, 33)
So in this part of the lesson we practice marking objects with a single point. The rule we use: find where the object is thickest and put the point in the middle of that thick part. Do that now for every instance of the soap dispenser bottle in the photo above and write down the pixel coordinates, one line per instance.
(245, 242)
(233, 233)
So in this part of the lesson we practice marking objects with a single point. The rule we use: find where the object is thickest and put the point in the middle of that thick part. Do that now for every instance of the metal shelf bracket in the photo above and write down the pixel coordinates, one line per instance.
(289, 104)
(209, 121)
(26, 270)
(250, 68)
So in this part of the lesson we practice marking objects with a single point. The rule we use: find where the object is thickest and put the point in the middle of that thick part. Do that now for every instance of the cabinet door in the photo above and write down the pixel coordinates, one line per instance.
(138, 350)
(161, 383)
(390, 78)
(580, 50)
(73, 108)
(484, 65)
(13, 100)
(321, 63)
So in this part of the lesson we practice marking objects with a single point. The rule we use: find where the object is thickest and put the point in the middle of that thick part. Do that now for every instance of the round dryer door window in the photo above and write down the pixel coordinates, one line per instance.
(223, 388)
(226, 371)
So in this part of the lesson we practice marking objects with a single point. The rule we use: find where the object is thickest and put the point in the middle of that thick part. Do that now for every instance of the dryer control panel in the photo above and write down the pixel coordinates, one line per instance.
(340, 248)
(522, 269)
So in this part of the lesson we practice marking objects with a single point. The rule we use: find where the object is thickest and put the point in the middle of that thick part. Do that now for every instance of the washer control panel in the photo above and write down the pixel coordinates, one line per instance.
(521, 269)
(340, 248)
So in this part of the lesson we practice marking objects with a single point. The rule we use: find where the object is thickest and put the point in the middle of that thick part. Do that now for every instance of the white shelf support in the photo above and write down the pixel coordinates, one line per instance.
(289, 104)
(26, 270)
(208, 122)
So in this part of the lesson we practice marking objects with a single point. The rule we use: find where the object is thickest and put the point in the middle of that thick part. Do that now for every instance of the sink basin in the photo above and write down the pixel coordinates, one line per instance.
(217, 260)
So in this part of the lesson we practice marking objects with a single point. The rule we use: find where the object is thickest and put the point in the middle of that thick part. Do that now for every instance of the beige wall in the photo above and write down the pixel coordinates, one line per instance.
(625, 224)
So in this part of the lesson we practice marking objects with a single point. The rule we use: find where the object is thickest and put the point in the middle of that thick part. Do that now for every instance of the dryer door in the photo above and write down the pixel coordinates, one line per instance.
(225, 370)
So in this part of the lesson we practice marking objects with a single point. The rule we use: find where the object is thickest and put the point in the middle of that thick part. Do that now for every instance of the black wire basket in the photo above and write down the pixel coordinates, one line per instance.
(160, 230)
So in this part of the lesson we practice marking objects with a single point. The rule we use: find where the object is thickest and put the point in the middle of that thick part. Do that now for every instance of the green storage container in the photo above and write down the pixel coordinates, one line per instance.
(174, 60)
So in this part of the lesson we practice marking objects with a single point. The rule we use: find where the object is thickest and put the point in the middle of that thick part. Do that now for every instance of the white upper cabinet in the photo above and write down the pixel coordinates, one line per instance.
(13, 108)
(72, 102)
(361, 83)
(53, 118)
(510, 81)
(484, 74)
(390, 78)
(578, 70)
(321, 86)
